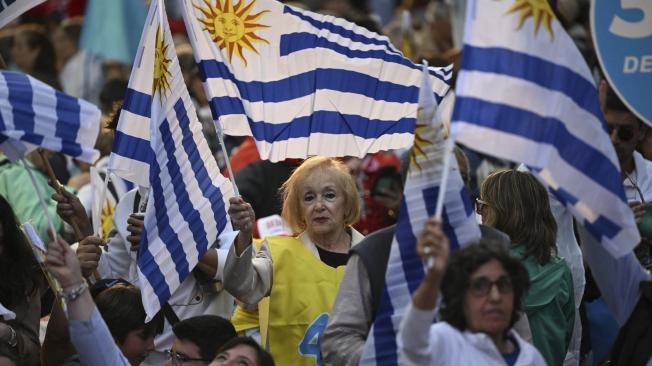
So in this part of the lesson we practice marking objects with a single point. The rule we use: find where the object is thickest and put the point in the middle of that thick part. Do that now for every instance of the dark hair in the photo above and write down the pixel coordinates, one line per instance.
(463, 264)
(264, 358)
(122, 309)
(208, 332)
(37, 37)
(72, 29)
(20, 273)
(522, 211)
(113, 93)
(613, 101)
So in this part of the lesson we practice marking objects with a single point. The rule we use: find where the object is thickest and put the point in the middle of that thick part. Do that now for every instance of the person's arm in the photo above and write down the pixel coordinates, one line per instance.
(248, 277)
(344, 338)
(88, 331)
(414, 333)
(617, 279)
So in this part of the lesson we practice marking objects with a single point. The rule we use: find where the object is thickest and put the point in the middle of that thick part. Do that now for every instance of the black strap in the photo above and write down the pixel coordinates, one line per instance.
(110, 186)
(170, 315)
(136, 202)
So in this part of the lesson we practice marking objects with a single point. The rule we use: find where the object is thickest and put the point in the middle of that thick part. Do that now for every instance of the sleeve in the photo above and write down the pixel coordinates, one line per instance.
(116, 261)
(344, 337)
(414, 337)
(94, 342)
(248, 277)
(226, 239)
(618, 279)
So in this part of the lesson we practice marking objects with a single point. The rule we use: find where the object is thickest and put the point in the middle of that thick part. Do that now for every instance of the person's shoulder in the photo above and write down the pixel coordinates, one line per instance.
(380, 237)
(529, 355)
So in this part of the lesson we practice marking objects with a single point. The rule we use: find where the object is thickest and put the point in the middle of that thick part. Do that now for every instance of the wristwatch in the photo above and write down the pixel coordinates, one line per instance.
(75, 293)
(13, 338)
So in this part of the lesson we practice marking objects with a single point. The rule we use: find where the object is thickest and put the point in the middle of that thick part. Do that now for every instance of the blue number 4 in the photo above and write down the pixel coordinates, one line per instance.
(310, 344)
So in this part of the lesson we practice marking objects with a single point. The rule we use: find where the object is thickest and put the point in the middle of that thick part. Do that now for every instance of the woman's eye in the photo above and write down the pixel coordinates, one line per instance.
(220, 357)
(308, 197)
(330, 196)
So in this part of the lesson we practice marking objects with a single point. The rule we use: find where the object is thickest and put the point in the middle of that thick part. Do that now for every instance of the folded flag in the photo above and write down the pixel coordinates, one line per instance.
(11, 9)
(302, 83)
(188, 197)
(33, 114)
(524, 93)
(404, 268)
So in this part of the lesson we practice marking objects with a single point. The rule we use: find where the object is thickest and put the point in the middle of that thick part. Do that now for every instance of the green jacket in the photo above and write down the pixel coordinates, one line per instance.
(549, 305)
(17, 188)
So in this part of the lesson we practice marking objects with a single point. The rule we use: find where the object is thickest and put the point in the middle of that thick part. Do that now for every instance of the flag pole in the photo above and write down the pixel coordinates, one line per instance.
(41, 197)
(448, 146)
(227, 159)
(100, 207)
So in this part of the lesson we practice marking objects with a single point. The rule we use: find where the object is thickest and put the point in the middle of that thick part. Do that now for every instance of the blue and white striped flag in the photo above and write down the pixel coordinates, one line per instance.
(188, 197)
(525, 94)
(301, 83)
(404, 268)
(33, 114)
(11, 9)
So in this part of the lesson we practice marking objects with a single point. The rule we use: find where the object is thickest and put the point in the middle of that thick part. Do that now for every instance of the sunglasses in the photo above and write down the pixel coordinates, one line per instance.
(625, 133)
(481, 286)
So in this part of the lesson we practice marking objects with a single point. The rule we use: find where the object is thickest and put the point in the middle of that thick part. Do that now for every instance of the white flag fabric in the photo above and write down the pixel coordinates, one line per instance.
(524, 93)
(302, 83)
(11, 9)
(404, 268)
(33, 114)
(188, 197)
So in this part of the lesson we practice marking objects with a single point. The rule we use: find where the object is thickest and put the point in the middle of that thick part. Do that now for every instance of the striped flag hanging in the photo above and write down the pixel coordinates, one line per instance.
(526, 94)
(188, 198)
(33, 114)
(12, 9)
(404, 268)
(301, 83)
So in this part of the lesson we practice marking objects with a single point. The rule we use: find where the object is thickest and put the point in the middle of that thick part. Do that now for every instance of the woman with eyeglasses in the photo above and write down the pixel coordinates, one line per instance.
(515, 203)
(481, 291)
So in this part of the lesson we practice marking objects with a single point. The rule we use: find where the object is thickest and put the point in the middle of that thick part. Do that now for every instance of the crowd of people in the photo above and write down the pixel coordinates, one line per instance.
(535, 289)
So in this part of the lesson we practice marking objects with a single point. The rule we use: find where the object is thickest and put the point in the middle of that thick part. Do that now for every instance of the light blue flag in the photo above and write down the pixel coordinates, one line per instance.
(33, 114)
(302, 83)
(188, 197)
(404, 268)
(110, 28)
(525, 94)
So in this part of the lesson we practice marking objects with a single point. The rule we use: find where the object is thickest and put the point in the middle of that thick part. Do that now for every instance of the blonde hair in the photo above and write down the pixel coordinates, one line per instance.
(290, 190)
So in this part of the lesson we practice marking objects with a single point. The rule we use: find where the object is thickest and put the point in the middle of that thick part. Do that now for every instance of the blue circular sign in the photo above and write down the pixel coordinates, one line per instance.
(622, 35)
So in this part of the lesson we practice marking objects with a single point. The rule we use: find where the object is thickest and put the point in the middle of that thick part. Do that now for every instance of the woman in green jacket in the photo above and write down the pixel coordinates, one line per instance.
(517, 204)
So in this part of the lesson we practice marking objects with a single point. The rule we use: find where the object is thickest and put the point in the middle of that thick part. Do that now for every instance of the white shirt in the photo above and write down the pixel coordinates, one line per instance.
(641, 177)
(423, 343)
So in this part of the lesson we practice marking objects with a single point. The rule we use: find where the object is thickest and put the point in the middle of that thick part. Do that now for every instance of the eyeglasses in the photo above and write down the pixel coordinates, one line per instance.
(481, 286)
(480, 205)
(625, 133)
(179, 358)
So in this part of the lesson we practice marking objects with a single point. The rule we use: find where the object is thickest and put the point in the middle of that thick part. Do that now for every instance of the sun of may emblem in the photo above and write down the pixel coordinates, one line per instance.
(420, 143)
(232, 26)
(539, 10)
(161, 66)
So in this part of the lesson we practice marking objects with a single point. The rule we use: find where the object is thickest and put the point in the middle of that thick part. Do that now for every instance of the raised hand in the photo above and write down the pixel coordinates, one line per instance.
(243, 219)
(89, 253)
(70, 209)
(135, 224)
(62, 262)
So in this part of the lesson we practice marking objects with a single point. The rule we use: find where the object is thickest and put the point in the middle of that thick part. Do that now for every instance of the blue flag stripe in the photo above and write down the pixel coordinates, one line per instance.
(165, 231)
(151, 269)
(412, 266)
(21, 96)
(132, 147)
(535, 70)
(384, 333)
(539, 130)
(295, 42)
(68, 123)
(138, 103)
(339, 30)
(317, 122)
(306, 83)
(208, 190)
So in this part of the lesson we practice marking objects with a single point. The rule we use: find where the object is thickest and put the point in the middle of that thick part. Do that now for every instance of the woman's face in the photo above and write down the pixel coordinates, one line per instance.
(322, 204)
(489, 299)
(240, 355)
(137, 346)
(24, 57)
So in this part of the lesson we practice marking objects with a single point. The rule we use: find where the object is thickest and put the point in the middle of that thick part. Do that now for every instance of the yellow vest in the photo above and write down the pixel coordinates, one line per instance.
(302, 296)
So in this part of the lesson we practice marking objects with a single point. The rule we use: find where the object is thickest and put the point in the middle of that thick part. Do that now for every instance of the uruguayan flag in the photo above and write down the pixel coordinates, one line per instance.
(11, 9)
(302, 83)
(187, 202)
(34, 114)
(525, 94)
(404, 269)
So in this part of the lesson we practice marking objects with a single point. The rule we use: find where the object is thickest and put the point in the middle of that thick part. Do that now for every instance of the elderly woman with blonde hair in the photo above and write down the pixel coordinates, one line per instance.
(296, 278)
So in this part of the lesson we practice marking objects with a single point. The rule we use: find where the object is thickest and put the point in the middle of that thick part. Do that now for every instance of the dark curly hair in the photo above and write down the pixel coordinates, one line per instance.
(264, 358)
(20, 273)
(460, 268)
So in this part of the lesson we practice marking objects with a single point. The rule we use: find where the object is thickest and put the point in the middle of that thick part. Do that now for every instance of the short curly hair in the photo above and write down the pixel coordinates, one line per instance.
(460, 268)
